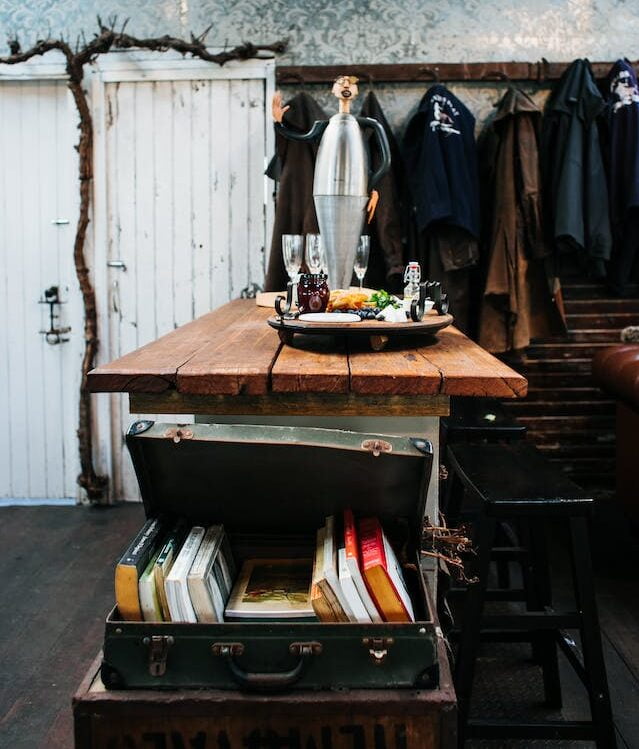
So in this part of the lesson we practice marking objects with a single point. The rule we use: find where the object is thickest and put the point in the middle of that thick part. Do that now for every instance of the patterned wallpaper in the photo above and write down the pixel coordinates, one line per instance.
(358, 31)
(365, 31)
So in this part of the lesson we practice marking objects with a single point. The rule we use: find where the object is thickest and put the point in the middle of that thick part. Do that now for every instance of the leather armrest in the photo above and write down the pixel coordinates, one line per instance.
(616, 370)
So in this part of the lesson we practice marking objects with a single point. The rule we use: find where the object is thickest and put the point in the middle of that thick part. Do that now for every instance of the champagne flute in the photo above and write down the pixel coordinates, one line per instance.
(314, 253)
(361, 258)
(292, 253)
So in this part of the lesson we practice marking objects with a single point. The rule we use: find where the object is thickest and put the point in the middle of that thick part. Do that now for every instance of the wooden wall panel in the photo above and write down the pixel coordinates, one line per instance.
(568, 417)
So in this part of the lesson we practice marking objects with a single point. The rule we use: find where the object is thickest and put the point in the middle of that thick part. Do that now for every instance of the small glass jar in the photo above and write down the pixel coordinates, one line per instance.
(312, 292)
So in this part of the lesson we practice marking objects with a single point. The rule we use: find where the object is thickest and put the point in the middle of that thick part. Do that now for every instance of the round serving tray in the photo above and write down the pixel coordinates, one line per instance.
(378, 331)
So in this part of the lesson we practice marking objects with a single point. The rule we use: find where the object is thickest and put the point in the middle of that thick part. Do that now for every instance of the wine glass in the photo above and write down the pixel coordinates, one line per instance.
(361, 258)
(315, 253)
(292, 253)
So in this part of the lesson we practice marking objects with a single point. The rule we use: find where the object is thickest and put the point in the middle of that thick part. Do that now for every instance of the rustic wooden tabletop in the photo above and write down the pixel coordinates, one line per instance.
(231, 357)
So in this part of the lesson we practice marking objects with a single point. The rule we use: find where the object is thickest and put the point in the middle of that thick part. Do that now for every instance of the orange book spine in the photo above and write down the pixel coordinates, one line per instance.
(350, 535)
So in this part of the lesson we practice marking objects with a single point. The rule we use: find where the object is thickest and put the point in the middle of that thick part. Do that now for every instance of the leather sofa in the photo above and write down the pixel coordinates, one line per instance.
(616, 370)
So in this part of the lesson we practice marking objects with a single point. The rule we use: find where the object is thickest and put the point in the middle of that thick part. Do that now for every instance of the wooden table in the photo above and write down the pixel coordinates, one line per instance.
(231, 362)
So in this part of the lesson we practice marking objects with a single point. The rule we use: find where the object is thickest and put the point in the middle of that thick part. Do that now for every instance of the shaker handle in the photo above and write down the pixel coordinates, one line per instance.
(267, 682)
(283, 306)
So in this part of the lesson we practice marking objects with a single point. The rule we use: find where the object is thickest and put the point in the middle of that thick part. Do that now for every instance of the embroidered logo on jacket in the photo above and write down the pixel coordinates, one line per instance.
(625, 89)
(444, 114)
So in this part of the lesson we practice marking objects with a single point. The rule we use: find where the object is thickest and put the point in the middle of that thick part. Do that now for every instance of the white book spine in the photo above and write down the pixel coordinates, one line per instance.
(330, 568)
(358, 580)
(350, 591)
(176, 581)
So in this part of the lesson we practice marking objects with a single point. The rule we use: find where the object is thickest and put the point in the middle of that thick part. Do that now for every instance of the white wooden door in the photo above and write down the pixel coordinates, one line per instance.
(39, 382)
(185, 209)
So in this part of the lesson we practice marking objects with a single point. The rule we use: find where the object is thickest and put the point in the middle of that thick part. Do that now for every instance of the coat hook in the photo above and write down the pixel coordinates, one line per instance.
(433, 74)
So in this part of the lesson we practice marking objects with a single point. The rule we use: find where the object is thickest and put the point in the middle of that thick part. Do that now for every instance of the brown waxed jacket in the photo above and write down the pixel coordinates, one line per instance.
(518, 301)
(295, 210)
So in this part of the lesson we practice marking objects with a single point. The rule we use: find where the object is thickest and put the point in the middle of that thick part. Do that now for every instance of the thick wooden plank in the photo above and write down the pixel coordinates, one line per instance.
(467, 369)
(279, 404)
(315, 365)
(153, 368)
(397, 369)
(237, 359)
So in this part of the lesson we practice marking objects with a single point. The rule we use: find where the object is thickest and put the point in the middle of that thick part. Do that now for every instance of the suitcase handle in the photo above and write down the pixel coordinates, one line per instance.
(266, 682)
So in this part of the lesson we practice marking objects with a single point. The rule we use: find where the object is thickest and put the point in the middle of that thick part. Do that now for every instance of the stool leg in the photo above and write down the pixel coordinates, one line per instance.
(453, 497)
(503, 566)
(471, 625)
(546, 639)
(591, 635)
(530, 587)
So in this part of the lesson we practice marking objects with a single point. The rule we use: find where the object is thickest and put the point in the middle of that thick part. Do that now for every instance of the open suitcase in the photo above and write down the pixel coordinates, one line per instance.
(274, 486)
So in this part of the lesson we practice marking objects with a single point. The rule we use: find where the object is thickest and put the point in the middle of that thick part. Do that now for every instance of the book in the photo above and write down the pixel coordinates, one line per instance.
(203, 585)
(164, 562)
(382, 573)
(324, 609)
(177, 592)
(131, 567)
(351, 543)
(149, 599)
(330, 571)
(272, 589)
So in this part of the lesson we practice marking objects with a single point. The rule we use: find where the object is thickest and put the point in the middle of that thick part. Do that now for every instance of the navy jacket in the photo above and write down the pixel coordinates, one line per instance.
(575, 189)
(440, 158)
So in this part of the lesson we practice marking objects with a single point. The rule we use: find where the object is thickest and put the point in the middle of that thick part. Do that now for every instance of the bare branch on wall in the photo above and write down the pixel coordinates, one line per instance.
(87, 52)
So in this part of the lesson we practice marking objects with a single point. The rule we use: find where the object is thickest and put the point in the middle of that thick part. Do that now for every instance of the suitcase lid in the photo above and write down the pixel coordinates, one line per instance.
(275, 478)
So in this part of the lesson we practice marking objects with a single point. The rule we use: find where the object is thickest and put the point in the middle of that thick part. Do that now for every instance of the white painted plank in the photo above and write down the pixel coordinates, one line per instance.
(221, 130)
(256, 158)
(182, 239)
(46, 253)
(163, 210)
(68, 206)
(238, 201)
(200, 195)
(5, 252)
(18, 376)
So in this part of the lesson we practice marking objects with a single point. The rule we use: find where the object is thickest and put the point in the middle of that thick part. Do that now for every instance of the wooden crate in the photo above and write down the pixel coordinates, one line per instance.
(212, 719)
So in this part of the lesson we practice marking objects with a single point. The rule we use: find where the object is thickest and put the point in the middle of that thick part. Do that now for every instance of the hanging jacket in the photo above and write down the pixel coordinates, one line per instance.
(622, 120)
(517, 302)
(386, 264)
(575, 189)
(440, 159)
(293, 168)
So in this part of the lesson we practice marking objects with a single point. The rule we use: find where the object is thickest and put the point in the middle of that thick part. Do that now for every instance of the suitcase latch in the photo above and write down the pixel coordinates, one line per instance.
(377, 446)
(179, 433)
(377, 648)
(158, 652)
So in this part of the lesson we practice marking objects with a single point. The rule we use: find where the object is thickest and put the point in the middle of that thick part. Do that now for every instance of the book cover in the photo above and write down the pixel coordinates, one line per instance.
(382, 573)
(176, 586)
(330, 571)
(149, 599)
(272, 589)
(349, 589)
(351, 543)
(131, 567)
(320, 603)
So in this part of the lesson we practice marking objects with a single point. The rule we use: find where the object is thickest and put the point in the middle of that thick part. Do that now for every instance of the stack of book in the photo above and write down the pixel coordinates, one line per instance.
(175, 574)
(184, 575)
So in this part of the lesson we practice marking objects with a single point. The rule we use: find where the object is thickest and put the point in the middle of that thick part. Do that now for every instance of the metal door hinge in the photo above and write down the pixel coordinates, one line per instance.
(158, 652)
(377, 648)
(377, 446)
(179, 433)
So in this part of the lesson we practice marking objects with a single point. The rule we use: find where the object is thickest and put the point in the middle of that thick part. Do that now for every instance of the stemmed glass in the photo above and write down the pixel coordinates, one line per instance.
(315, 253)
(361, 258)
(292, 253)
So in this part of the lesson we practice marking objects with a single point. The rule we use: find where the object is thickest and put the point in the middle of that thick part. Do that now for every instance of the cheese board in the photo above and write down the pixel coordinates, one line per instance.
(379, 332)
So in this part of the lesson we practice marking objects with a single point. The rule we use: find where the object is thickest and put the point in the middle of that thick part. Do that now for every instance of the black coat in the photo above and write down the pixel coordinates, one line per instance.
(574, 179)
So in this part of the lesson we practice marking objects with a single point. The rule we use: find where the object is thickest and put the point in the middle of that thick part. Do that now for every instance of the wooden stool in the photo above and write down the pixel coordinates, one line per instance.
(516, 482)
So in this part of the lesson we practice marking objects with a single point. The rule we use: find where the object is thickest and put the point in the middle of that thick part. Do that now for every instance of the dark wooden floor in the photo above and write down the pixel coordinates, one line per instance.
(56, 569)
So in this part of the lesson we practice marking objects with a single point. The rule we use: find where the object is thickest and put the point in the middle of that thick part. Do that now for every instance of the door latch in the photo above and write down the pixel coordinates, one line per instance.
(158, 652)
(377, 648)
(54, 334)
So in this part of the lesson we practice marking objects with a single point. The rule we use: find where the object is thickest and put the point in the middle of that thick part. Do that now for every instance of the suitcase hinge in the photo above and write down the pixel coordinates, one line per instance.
(179, 433)
(377, 446)
(158, 652)
(377, 648)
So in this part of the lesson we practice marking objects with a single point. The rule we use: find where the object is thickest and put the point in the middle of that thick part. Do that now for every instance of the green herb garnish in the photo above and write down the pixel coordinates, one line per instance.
(383, 299)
